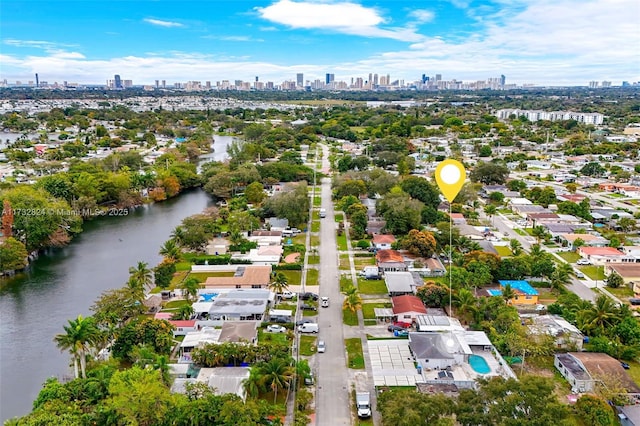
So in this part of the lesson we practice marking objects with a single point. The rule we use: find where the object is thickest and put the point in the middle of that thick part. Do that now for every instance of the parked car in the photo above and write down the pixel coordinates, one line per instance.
(324, 302)
(274, 328)
(321, 346)
(393, 328)
(304, 321)
(583, 262)
(307, 307)
(307, 296)
(401, 333)
(625, 365)
(402, 324)
(309, 380)
(578, 274)
(287, 295)
(634, 301)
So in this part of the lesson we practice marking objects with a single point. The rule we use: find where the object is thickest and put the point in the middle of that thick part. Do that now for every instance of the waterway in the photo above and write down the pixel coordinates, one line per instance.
(63, 283)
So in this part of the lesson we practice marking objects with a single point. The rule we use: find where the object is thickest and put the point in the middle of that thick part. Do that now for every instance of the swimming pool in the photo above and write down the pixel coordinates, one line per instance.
(479, 364)
(207, 297)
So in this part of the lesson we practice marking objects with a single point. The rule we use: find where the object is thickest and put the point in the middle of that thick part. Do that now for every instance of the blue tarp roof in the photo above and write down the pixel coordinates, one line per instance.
(521, 286)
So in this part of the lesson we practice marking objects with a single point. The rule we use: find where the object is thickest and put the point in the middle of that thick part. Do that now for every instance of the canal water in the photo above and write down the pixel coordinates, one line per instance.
(65, 282)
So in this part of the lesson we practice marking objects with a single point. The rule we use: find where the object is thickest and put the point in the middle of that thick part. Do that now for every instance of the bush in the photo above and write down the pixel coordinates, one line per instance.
(288, 267)
(363, 244)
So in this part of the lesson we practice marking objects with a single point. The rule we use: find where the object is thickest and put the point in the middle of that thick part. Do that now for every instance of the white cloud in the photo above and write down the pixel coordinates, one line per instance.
(342, 17)
(234, 38)
(422, 15)
(160, 23)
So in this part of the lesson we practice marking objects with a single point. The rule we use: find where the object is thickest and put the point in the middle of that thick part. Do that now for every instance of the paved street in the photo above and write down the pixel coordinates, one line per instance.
(333, 405)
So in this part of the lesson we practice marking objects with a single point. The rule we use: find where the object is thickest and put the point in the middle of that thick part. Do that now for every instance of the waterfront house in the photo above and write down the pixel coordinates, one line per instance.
(250, 277)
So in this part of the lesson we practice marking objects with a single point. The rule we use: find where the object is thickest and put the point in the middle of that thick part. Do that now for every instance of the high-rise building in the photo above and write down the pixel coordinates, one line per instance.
(300, 79)
(164, 84)
(117, 81)
(37, 81)
(157, 84)
(438, 77)
(503, 80)
(329, 78)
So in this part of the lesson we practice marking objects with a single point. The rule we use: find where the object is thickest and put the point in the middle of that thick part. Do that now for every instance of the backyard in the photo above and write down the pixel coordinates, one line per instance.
(372, 286)
(569, 256)
(593, 272)
(307, 345)
(368, 309)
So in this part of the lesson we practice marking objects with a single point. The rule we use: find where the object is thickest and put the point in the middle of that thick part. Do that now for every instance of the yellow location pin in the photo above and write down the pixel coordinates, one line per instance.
(450, 176)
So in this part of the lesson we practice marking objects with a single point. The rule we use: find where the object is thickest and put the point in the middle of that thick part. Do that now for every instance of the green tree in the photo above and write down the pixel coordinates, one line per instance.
(78, 336)
(279, 283)
(139, 397)
(593, 169)
(142, 274)
(163, 273)
(490, 210)
(13, 255)
(415, 408)
(419, 243)
(276, 374)
(615, 280)
(170, 251)
(421, 189)
(190, 288)
(255, 193)
(465, 303)
(489, 173)
(184, 312)
(599, 317)
(352, 301)
(594, 411)
(515, 246)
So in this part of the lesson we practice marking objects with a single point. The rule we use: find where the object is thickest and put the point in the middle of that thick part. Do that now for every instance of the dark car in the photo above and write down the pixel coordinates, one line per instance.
(625, 365)
(634, 301)
(394, 328)
(306, 307)
(303, 321)
(307, 296)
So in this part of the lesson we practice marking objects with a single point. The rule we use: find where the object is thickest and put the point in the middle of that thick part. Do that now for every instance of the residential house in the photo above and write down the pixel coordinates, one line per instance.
(630, 273)
(440, 322)
(437, 351)
(225, 380)
(375, 226)
(239, 332)
(567, 335)
(603, 255)
(399, 283)
(538, 218)
(241, 305)
(524, 293)
(218, 246)
(583, 369)
(458, 218)
(406, 308)
(277, 224)
(182, 327)
(390, 260)
(263, 255)
(266, 238)
(629, 415)
(245, 277)
(432, 267)
(196, 339)
(383, 241)
(470, 231)
(522, 209)
(589, 240)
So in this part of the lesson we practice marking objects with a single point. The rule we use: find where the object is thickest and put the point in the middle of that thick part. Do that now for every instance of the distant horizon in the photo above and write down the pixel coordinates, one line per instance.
(547, 43)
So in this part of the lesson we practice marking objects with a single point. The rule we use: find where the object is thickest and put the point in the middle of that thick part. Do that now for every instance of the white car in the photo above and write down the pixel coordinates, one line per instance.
(324, 302)
(274, 328)
(321, 346)
(583, 262)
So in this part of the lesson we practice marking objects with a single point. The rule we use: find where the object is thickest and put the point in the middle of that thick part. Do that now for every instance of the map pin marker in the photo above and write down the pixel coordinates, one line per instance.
(450, 176)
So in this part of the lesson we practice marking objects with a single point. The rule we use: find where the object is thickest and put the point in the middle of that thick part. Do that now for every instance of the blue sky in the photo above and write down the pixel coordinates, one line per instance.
(545, 42)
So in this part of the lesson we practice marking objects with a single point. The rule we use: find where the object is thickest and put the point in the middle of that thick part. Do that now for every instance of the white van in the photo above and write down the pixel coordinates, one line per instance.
(323, 213)
(310, 327)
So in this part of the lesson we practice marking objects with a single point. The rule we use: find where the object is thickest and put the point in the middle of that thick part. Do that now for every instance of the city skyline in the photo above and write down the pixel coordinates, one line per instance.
(564, 42)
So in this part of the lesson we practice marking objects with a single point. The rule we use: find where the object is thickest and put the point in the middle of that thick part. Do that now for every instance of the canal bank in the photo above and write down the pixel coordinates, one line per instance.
(63, 283)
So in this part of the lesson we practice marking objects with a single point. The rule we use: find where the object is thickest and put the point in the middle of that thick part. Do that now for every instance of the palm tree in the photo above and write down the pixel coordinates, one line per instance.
(253, 384)
(184, 312)
(465, 304)
(137, 289)
(352, 301)
(142, 274)
(279, 283)
(178, 235)
(490, 210)
(603, 314)
(276, 374)
(508, 293)
(170, 251)
(78, 336)
(516, 247)
(561, 276)
(536, 251)
(190, 288)
(539, 232)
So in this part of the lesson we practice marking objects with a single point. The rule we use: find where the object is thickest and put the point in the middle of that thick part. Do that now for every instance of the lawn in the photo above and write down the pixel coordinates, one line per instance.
(361, 262)
(272, 337)
(342, 242)
(317, 201)
(349, 317)
(339, 217)
(312, 277)
(307, 345)
(355, 359)
(293, 277)
(202, 276)
(520, 232)
(503, 251)
(299, 239)
(634, 371)
(623, 292)
(372, 286)
(315, 226)
(593, 272)
(344, 262)
(183, 266)
(313, 259)
(569, 256)
(314, 241)
(367, 309)
(175, 304)
(345, 282)
(177, 279)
